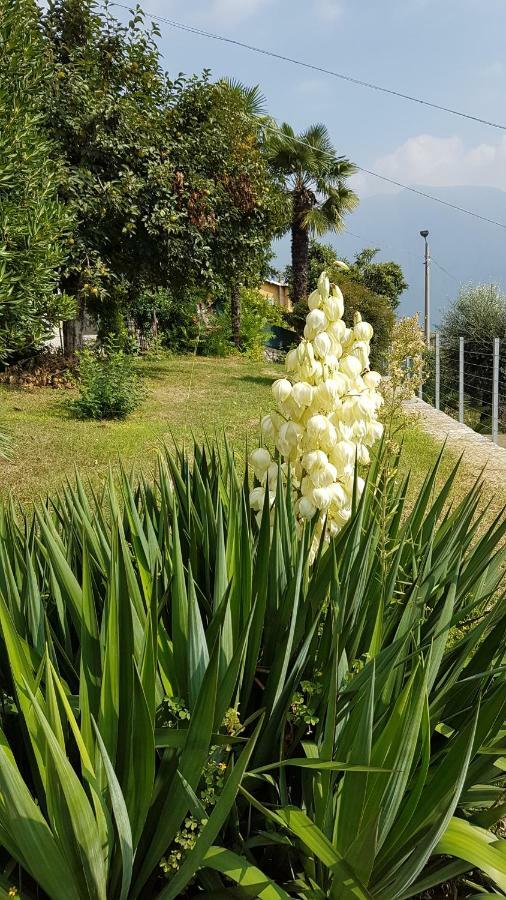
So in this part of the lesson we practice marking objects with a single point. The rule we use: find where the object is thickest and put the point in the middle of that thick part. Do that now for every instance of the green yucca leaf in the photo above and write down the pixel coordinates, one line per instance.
(79, 813)
(477, 847)
(198, 653)
(247, 876)
(90, 657)
(215, 822)
(29, 837)
(120, 817)
(172, 805)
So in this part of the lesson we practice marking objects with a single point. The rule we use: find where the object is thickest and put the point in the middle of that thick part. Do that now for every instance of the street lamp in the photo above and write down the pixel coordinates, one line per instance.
(425, 235)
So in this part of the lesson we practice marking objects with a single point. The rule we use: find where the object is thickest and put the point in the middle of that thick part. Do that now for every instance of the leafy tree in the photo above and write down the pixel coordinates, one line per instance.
(225, 183)
(32, 222)
(316, 184)
(107, 108)
(168, 177)
(478, 314)
(385, 278)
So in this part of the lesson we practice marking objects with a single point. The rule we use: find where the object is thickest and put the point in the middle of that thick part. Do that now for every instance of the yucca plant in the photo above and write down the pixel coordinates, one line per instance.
(191, 699)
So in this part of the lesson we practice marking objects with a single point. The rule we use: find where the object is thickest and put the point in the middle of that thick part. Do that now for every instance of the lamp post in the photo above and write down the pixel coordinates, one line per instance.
(425, 235)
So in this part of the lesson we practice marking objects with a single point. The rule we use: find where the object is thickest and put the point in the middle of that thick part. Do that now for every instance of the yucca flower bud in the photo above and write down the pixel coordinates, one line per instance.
(350, 365)
(306, 509)
(333, 308)
(322, 476)
(322, 498)
(260, 460)
(372, 380)
(322, 344)
(314, 301)
(302, 393)
(257, 499)
(363, 331)
(281, 390)
(323, 286)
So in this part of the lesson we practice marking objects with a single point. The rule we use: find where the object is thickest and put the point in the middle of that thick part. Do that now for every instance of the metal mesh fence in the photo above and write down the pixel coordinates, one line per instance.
(467, 380)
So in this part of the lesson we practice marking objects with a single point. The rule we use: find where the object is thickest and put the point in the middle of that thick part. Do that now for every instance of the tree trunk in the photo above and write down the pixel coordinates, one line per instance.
(300, 250)
(235, 313)
(73, 332)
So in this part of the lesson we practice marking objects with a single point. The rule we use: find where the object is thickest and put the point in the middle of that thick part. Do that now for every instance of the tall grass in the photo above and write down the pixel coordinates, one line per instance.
(194, 703)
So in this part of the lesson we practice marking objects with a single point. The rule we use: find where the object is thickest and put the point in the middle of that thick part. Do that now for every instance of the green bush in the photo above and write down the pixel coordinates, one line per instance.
(33, 223)
(169, 319)
(258, 314)
(108, 384)
(191, 699)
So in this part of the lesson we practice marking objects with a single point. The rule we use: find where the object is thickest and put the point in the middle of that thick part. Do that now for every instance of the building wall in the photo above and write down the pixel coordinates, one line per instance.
(277, 293)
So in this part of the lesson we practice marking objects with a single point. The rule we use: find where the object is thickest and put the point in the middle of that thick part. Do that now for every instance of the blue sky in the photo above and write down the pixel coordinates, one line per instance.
(448, 51)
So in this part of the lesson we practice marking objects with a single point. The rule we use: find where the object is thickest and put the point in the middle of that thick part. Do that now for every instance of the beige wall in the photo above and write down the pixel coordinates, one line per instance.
(278, 293)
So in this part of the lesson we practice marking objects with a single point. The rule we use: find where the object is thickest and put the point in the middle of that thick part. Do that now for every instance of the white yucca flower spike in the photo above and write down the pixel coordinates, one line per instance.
(326, 414)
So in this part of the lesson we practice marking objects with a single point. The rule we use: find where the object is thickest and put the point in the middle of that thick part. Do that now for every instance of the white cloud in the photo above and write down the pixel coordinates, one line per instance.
(330, 10)
(438, 162)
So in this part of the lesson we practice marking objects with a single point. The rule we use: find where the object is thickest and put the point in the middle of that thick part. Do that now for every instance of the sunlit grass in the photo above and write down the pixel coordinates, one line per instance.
(185, 396)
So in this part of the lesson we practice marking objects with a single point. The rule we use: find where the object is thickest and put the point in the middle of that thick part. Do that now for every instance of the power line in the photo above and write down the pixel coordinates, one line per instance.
(405, 187)
(191, 29)
(399, 184)
(446, 272)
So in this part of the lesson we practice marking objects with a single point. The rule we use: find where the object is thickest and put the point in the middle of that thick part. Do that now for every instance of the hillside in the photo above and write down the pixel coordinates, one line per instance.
(468, 249)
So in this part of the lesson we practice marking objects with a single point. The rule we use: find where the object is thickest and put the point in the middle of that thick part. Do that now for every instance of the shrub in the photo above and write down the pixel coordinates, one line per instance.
(169, 318)
(258, 314)
(108, 384)
(188, 699)
(407, 365)
(33, 223)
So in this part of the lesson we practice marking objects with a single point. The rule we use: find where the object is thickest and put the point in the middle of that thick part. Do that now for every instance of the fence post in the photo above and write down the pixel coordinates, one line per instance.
(495, 392)
(438, 371)
(461, 379)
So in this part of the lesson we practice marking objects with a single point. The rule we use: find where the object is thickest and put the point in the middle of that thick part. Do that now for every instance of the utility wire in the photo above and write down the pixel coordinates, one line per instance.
(276, 128)
(446, 272)
(405, 187)
(191, 29)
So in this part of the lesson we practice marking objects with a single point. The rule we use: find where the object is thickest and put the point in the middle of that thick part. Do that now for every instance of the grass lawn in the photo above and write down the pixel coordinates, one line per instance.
(185, 395)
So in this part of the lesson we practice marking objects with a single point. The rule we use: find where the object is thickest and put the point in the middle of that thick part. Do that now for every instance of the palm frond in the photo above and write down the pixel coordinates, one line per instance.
(253, 100)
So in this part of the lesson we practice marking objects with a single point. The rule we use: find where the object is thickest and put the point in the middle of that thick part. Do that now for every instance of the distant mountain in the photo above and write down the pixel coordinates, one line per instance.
(463, 248)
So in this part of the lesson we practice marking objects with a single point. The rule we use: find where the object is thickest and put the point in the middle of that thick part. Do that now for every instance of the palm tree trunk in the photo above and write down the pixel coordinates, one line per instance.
(300, 251)
(235, 313)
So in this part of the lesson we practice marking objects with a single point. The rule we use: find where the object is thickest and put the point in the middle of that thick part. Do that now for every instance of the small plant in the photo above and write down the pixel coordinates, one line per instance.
(405, 364)
(108, 384)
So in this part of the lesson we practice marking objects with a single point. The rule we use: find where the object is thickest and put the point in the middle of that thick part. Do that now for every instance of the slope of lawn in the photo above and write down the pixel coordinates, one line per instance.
(184, 396)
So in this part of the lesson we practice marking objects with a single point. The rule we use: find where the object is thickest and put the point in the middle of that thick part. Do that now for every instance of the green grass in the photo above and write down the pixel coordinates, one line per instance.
(185, 396)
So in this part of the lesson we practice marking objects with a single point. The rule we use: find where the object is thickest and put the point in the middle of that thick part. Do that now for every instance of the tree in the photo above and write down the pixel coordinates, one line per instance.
(107, 112)
(226, 181)
(32, 222)
(315, 183)
(168, 178)
(385, 278)
(478, 314)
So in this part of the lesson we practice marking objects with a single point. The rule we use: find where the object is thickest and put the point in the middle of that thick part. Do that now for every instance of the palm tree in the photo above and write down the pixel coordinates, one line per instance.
(315, 182)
